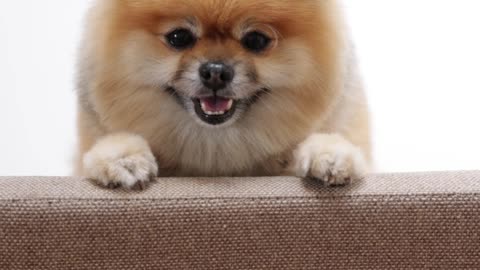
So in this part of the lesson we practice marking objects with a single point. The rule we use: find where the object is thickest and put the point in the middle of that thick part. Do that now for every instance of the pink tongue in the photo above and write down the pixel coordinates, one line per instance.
(215, 104)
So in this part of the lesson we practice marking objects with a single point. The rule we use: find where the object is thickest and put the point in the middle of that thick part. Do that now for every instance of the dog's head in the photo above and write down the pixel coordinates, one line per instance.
(221, 60)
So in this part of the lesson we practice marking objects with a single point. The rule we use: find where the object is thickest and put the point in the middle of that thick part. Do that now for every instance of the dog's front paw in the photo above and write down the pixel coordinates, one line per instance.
(121, 160)
(329, 158)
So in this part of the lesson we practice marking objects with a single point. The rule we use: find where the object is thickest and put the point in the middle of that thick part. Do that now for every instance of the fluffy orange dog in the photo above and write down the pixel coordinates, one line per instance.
(219, 88)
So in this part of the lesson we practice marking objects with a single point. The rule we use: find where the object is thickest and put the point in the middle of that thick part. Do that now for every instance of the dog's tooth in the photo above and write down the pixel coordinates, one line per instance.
(204, 107)
(230, 104)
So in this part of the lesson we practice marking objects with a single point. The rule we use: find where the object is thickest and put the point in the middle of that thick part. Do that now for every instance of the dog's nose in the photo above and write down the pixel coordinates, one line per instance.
(216, 75)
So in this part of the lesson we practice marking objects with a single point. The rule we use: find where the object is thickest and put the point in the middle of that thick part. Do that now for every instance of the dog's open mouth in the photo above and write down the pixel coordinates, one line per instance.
(215, 110)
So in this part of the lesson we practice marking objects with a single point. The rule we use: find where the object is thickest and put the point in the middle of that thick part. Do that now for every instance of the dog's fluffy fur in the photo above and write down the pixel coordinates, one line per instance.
(312, 122)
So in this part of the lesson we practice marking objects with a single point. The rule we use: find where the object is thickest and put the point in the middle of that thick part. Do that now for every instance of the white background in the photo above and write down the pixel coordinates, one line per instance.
(420, 60)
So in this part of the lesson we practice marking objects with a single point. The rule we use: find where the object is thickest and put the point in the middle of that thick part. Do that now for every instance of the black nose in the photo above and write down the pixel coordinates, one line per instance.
(216, 75)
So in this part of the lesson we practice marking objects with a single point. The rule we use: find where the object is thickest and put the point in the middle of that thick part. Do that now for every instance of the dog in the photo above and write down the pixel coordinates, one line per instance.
(188, 88)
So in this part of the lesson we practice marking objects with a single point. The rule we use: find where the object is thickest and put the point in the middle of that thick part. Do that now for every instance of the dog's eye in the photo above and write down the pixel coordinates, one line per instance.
(256, 42)
(181, 39)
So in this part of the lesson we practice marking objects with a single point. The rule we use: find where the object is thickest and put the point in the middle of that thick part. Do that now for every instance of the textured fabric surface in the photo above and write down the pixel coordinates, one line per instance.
(396, 221)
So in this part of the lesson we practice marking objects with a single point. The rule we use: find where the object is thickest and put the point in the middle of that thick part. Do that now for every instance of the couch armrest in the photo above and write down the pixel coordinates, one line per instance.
(422, 221)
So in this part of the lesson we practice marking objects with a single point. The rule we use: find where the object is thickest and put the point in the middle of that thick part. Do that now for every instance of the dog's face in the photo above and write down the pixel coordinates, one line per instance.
(222, 61)
(216, 78)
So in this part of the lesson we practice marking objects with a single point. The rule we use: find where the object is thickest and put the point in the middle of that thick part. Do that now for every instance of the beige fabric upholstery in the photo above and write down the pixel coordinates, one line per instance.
(394, 221)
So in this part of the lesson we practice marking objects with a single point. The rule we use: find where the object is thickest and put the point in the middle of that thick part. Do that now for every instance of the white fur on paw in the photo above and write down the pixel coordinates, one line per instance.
(121, 160)
(329, 158)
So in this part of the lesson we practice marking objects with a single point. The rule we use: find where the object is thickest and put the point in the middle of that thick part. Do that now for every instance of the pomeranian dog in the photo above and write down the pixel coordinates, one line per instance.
(219, 88)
